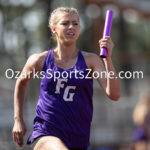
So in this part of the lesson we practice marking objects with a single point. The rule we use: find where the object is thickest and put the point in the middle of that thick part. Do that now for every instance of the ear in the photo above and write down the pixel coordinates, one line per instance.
(53, 29)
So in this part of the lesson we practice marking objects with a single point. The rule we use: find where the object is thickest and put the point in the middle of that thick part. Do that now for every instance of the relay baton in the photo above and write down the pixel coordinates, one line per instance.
(106, 32)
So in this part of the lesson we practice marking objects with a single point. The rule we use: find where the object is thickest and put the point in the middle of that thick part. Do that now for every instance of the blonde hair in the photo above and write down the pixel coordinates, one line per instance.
(53, 17)
(142, 108)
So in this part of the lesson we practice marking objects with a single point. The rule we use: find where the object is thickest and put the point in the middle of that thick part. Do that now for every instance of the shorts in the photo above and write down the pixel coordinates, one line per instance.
(38, 138)
(140, 134)
(44, 128)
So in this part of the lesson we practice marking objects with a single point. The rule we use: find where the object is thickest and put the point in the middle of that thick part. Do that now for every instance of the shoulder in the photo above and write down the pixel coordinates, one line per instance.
(91, 59)
(37, 57)
(89, 55)
(36, 60)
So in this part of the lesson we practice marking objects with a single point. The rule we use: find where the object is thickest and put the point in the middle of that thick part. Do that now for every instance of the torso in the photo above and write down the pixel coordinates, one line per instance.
(67, 64)
(65, 105)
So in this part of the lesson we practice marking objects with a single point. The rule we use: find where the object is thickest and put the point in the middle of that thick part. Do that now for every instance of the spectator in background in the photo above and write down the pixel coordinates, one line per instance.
(141, 118)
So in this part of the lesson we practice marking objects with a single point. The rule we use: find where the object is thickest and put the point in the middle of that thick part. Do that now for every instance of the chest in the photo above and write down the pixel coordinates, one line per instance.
(65, 64)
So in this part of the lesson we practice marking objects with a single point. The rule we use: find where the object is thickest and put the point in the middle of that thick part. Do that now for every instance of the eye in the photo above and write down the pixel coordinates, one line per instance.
(64, 23)
(75, 24)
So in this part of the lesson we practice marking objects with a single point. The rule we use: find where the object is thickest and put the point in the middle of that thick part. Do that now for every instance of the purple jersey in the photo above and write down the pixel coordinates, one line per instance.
(65, 106)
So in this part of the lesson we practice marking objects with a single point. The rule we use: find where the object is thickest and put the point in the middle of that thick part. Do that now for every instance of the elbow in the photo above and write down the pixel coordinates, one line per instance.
(115, 97)
(22, 82)
(115, 94)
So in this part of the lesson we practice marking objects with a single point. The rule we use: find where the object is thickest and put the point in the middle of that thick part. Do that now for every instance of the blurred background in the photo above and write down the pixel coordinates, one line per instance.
(24, 31)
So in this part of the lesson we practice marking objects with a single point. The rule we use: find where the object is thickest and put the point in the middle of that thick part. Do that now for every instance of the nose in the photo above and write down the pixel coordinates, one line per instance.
(70, 26)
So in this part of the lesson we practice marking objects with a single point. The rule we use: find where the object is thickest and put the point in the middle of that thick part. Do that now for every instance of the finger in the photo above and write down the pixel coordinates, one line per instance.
(103, 40)
(100, 41)
(14, 137)
(104, 45)
(109, 43)
(20, 143)
(20, 139)
(106, 37)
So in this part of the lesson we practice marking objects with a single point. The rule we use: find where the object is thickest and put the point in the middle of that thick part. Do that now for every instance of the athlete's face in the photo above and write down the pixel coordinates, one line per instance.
(67, 28)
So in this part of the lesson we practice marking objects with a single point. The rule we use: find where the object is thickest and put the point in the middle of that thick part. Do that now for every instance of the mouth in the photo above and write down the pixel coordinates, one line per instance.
(71, 34)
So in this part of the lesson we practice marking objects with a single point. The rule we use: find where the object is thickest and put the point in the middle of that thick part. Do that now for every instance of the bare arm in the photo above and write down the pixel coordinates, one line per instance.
(111, 84)
(107, 76)
(34, 62)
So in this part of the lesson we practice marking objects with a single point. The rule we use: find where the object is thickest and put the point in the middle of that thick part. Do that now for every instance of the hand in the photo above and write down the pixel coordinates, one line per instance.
(19, 131)
(107, 43)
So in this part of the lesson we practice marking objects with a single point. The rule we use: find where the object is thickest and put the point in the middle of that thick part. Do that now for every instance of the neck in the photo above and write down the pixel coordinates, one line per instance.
(65, 51)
